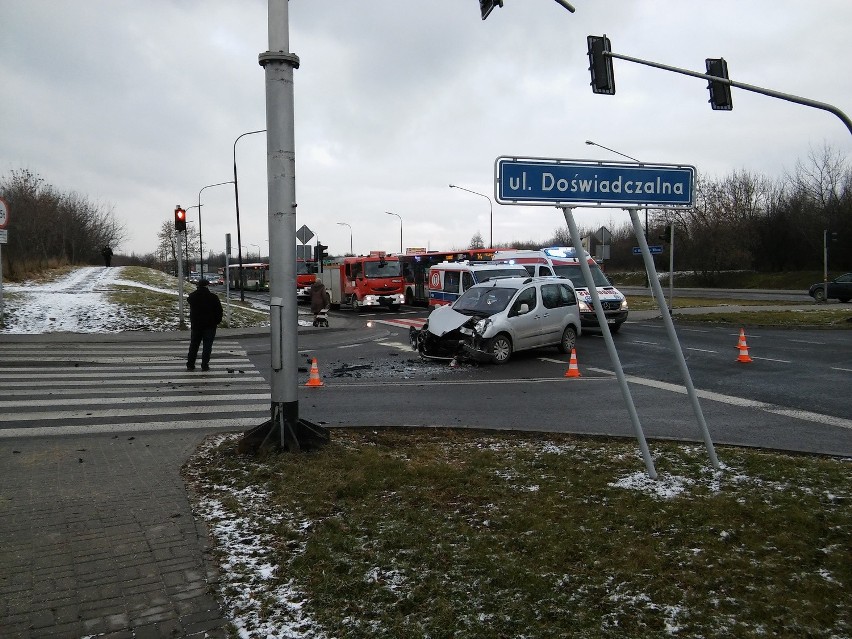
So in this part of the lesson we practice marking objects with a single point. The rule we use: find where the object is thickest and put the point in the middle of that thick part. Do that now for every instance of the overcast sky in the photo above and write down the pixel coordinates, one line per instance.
(137, 105)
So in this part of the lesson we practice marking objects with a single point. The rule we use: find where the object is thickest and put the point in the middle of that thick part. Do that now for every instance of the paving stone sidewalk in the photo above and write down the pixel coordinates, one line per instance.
(97, 539)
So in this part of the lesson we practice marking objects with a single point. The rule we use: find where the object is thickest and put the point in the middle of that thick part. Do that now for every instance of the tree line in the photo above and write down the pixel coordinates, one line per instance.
(742, 221)
(747, 221)
(48, 227)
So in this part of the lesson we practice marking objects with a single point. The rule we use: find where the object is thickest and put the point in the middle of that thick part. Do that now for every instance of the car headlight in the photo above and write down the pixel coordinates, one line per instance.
(482, 325)
(624, 304)
(585, 307)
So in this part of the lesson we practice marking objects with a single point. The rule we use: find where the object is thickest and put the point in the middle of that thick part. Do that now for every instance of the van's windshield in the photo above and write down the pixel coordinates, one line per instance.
(575, 274)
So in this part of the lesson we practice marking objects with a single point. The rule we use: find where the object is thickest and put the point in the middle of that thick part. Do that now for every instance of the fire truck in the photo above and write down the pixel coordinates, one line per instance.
(365, 281)
(306, 274)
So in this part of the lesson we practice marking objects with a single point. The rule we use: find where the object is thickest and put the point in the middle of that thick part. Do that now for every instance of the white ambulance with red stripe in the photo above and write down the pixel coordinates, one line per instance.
(562, 261)
(448, 280)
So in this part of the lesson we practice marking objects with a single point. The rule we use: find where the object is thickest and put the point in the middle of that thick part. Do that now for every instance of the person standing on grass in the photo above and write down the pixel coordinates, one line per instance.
(205, 313)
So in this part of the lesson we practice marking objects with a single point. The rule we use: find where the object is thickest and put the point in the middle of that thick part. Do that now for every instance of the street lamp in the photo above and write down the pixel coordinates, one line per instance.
(490, 215)
(186, 234)
(237, 206)
(200, 245)
(400, 229)
(589, 142)
(624, 155)
(350, 236)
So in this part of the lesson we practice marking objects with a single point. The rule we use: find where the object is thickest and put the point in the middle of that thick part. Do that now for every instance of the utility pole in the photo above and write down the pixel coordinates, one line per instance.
(278, 64)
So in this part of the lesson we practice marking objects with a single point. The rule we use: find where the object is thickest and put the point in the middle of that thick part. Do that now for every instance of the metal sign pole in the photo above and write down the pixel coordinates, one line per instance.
(607, 335)
(671, 267)
(228, 277)
(667, 321)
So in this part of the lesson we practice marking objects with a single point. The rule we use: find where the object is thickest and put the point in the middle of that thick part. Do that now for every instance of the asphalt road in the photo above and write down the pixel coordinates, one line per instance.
(792, 396)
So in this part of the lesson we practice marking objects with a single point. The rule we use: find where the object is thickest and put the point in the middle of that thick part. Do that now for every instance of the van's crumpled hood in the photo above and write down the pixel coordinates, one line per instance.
(444, 319)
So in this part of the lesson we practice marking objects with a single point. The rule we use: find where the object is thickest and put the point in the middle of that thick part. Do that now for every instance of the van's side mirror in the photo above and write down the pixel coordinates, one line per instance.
(523, 309)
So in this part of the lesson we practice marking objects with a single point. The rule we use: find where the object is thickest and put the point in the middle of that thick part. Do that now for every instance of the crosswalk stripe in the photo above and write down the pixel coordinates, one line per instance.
(60, 388)
(237, 423)
(416, 322)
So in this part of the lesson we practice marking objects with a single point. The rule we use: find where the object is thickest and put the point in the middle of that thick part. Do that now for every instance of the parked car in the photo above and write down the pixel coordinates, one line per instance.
(492, 320)
(838, 289)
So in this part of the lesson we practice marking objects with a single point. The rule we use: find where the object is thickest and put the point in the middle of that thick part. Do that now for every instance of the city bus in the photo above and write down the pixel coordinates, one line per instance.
(255, 276)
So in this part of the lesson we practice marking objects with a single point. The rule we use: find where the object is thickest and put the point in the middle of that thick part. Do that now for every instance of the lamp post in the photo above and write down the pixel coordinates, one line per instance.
(589, 142)
(200, 244)
(400, 229)
(237, 206)
(350, 235)
(632, 159)
(186, 236)
(490, 212)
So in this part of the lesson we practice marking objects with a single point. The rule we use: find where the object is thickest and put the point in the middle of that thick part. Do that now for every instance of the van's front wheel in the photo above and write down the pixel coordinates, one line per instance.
(500, 349)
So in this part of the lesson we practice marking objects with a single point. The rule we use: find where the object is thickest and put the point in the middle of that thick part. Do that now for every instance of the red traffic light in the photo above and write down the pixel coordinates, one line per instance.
(180, 219)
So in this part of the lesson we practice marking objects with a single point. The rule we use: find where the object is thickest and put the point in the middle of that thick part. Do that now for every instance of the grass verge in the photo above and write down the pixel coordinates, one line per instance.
(834, 316)
(154, 304)
(423, 533)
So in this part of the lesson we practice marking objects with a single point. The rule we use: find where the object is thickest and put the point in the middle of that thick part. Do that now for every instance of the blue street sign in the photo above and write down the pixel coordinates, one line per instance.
(571, 182)
(654, 250)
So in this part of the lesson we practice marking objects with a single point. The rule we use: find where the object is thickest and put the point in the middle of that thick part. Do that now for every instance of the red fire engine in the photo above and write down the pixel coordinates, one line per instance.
(365, 281)
(306, 274)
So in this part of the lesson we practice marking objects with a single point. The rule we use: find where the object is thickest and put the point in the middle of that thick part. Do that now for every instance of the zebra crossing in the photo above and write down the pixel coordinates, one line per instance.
(59, 388)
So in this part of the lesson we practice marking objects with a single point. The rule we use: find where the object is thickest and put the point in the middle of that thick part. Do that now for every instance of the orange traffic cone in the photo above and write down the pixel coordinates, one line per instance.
(743, 348)
(573, 371)
(314, 379)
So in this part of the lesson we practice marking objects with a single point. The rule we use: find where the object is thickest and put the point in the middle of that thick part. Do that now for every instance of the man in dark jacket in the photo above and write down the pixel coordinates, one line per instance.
(205, 313)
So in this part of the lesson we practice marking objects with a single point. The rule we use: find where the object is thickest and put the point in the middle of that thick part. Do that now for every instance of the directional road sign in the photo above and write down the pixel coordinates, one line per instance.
(655, 250)
(542, 181)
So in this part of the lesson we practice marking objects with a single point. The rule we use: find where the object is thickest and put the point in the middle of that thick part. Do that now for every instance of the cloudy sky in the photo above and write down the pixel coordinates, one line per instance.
(137, 105)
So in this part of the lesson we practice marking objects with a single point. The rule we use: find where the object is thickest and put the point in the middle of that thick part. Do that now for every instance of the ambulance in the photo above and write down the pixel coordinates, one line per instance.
(562, 261)
(448, 280)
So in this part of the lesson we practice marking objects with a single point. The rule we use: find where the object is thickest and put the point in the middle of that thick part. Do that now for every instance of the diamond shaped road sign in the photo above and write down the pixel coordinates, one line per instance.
(304, 234)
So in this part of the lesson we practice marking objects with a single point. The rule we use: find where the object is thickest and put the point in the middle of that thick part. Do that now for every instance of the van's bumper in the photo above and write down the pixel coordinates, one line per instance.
(590, 319)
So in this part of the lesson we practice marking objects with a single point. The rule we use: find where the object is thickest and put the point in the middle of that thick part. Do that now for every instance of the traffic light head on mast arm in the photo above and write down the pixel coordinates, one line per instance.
(487, 6)
(180, 219)
(720, 92)
(600, 64)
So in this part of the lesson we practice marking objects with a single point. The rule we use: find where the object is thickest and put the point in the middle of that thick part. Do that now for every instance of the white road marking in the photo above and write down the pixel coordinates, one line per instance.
(803, 415)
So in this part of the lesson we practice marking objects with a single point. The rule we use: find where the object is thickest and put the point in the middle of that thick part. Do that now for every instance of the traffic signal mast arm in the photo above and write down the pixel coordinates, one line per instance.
(740, 85)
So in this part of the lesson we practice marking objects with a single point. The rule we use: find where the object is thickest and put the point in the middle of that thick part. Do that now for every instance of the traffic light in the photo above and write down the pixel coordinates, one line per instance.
(180, 219)
(720, 92)
(603, 80)
(320, 253)
(487, 6)
(667, 234)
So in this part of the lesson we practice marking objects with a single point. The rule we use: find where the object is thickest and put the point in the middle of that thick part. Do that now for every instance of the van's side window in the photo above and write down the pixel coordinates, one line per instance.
(451, 281)
(526, 297)
(545, 270)
(467, 280)
(556, 295)
(530, 269)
